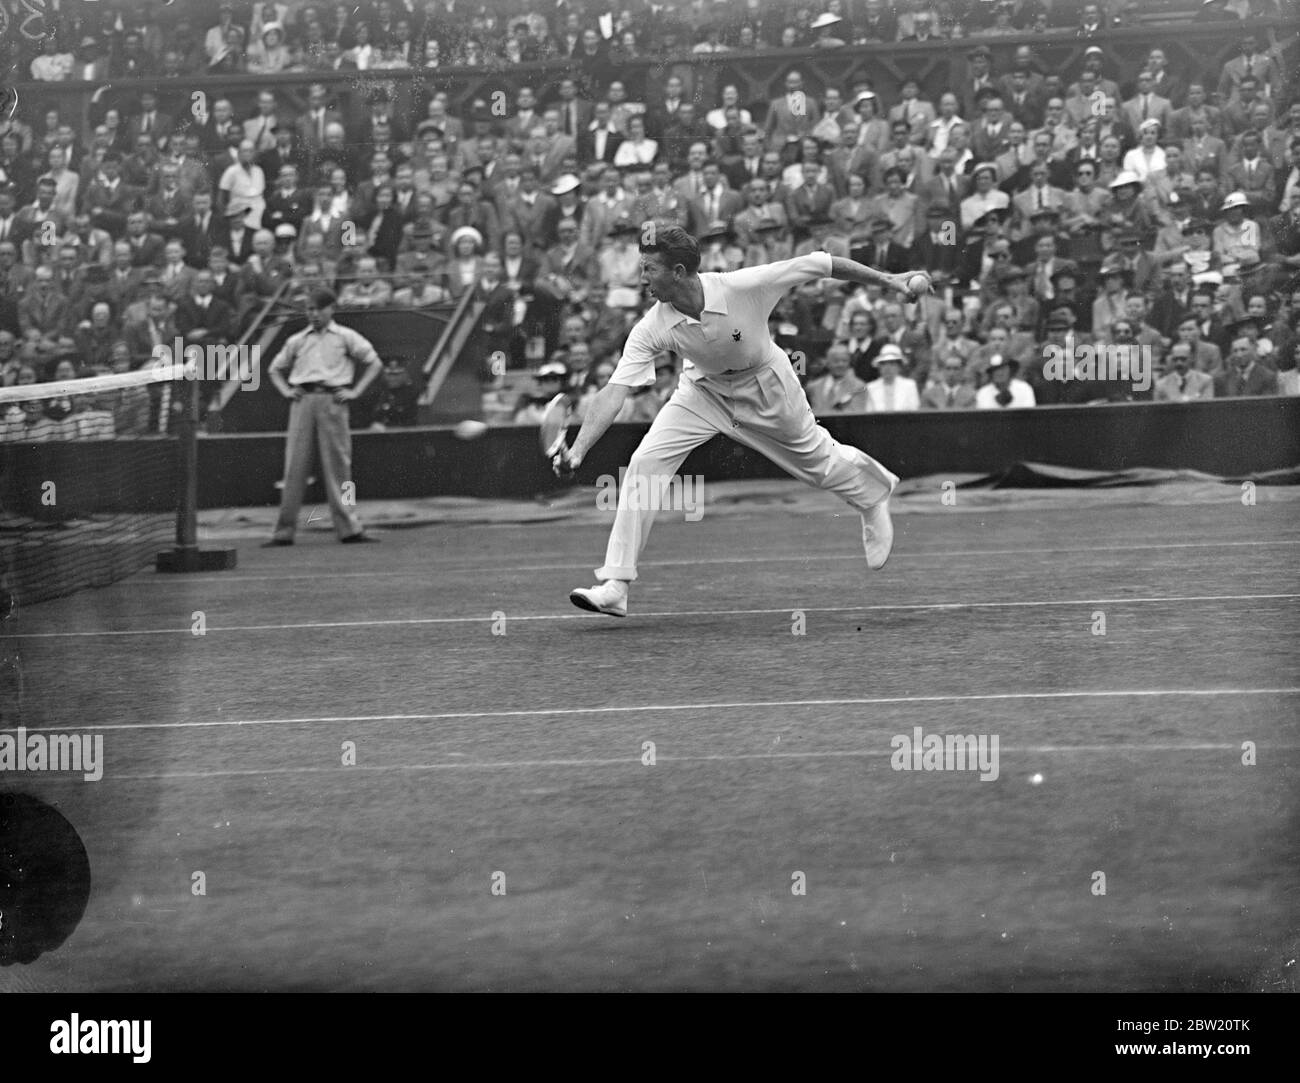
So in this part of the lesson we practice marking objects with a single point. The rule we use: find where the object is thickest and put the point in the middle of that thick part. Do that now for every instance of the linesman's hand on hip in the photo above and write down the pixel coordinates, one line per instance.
(293, 394)
(346, 394)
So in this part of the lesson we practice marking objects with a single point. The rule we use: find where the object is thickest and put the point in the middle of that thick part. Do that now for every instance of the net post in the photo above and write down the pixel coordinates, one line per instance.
(187, 556)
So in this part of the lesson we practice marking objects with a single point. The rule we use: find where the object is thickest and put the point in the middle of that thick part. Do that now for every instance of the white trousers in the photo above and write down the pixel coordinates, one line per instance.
(763, 408)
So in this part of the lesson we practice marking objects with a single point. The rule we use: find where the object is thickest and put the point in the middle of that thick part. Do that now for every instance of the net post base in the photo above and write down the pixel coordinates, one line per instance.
(185, 559)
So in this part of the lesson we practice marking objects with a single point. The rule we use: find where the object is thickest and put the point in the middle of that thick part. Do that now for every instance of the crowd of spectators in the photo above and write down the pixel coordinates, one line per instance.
(1111, 204)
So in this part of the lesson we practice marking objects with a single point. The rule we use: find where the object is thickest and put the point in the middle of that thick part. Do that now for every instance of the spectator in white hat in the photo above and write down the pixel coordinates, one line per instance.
(891, 391)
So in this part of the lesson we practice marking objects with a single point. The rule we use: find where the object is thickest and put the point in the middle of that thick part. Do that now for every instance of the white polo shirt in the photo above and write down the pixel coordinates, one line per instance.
(731, 334)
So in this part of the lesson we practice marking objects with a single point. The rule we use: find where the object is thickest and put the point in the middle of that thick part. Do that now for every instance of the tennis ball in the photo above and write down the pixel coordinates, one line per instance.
(469, 429)
(918, 283)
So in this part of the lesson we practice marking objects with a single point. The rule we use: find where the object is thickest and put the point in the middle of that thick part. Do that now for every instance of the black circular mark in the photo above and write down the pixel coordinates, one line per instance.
(44, 878)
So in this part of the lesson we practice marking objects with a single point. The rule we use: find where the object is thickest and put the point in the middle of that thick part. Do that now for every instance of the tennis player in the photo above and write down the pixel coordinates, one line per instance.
(735, 380)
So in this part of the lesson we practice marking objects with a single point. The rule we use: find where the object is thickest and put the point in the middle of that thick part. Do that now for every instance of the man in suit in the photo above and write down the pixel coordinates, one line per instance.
(1023, 101)
(236, 238)
(146, 246)
(314, 123)
(1201, 150)
(1173, 303)
(149, 121)
(991, 137)
(599, 140)
(1182, 383)
(1146, 104)
(201, 316)
(882, 253)
(913, 112)
(839, 391)
(109, 198)
(199, 230)
(1251, 64)
(938, 246)
(847, 160)
(287, 202)
(1180, 120)
(979, 82)
(260, 128)
(322, 221)
(125, 282)
(1244, 375)
(170, 204)
(952, 390)
(945, 186)
(794, 114)
(1253, 175)
(1038, 196)
(715, 203)
(575, 114)
(526, 212)
(748, 164)
(176, 275)
(891, 391)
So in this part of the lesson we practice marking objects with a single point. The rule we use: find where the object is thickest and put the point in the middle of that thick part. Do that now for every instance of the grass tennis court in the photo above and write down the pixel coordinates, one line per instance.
(522, 754)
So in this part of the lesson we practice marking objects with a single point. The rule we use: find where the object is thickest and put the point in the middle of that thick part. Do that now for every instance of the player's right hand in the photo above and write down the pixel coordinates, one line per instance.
(563, 462)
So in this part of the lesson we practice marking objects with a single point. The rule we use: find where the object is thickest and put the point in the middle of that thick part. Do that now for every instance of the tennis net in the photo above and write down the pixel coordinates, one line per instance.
(89, 481)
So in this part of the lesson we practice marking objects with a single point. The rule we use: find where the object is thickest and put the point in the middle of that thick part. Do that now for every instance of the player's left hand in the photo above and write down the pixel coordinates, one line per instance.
(347, 394)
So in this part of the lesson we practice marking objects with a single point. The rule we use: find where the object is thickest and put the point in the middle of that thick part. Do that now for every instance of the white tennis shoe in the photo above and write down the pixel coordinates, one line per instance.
(609, 598)
(878, 531)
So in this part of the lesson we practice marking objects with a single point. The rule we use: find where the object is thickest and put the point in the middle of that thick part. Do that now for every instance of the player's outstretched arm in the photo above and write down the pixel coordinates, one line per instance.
(600, 416)
(850, 270)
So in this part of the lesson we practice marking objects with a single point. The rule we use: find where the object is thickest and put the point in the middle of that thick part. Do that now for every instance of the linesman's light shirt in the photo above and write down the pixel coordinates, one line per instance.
(731, 334)
(328, 356)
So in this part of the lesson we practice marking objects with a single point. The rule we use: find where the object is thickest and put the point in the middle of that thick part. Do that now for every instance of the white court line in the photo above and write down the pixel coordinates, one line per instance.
(635, 761)
(506, 562)
(747, 705)
(784, 610)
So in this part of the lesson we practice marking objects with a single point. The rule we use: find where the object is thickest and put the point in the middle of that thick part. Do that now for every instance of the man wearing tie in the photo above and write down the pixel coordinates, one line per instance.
(260, 129)
(575, 114)
(601, 140)
(951, 391)
(1182, 383)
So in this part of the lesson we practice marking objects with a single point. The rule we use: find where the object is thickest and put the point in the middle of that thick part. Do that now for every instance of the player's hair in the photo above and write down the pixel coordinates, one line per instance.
(322, 298)
(676, 246)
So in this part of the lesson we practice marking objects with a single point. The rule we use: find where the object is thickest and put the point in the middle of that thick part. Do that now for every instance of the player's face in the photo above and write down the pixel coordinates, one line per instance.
(657, 277)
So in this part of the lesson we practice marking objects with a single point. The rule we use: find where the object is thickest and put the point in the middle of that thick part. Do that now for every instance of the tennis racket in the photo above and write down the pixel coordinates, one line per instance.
(555, 424)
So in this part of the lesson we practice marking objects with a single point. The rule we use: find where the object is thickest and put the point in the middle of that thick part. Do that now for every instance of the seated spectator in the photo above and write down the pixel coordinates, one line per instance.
(547, 383)
(839, 390)
(891, 391)
(54, 64)
(1004, 390)
(415, 291)
(94, 338)
(269, 55)
(461, 271)
(1245, 375)
(1182, 383)
(953, 389)
(367, 290)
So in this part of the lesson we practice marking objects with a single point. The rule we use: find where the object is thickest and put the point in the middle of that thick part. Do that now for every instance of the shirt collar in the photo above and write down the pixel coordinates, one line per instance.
(714, 301)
